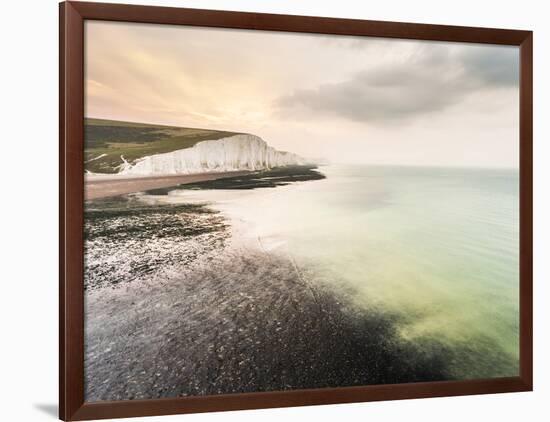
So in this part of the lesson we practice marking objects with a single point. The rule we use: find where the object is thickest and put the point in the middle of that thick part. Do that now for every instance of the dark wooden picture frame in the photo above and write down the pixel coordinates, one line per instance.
(72, 404)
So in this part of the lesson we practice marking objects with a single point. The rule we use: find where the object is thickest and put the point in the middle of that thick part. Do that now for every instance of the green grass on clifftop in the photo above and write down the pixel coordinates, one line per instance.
(110, 139)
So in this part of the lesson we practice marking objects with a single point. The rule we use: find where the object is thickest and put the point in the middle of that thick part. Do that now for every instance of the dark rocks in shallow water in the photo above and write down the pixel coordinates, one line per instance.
(245, 322)
(279, 176)
(126, 240)
(190, 316)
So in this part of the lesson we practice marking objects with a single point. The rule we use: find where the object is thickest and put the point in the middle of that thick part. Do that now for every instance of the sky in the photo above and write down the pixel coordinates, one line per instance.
(341, 99)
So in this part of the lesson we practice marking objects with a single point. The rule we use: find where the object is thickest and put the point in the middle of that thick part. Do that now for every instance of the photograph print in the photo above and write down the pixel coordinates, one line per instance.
(273, 211)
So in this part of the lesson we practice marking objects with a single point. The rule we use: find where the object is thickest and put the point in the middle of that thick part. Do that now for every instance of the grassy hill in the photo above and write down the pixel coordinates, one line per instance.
(106, 140)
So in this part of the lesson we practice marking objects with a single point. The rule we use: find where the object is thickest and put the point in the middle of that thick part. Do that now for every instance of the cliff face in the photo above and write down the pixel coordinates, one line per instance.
(234, 153)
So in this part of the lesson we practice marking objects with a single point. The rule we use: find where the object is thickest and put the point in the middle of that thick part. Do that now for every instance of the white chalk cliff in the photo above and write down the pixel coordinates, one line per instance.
(234, 153)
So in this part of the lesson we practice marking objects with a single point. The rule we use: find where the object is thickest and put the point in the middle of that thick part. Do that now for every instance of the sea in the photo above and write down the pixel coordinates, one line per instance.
(435, 248)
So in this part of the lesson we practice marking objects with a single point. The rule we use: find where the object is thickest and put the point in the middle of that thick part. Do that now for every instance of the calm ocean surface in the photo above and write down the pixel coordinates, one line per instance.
(438, 246)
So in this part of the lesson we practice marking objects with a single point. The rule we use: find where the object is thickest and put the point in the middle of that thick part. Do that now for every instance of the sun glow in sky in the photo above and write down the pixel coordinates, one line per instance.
(339, 98)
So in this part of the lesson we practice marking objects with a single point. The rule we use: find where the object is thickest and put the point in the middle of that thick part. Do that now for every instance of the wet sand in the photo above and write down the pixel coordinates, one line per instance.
(108, 187)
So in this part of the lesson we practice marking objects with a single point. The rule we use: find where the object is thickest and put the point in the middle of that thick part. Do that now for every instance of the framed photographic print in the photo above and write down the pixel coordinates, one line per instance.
(266, 210)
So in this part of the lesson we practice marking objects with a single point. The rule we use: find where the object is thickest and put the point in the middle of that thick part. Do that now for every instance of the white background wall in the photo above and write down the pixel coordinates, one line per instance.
(28, 223)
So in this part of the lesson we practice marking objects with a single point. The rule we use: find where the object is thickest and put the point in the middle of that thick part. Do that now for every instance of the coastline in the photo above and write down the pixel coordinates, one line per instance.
(203, 290)
(113, 185)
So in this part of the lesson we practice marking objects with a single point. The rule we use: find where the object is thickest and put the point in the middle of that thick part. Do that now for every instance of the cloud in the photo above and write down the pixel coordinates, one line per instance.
(498, 69)
(429, 81)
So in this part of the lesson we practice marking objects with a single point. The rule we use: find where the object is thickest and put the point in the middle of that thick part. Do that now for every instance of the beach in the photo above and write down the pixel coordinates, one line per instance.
(112, 185)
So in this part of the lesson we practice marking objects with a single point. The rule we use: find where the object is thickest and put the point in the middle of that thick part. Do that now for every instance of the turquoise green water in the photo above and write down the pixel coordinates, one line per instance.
(438, 246)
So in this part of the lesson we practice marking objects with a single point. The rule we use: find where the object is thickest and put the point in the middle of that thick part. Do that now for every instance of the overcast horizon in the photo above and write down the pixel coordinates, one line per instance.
(344, 99)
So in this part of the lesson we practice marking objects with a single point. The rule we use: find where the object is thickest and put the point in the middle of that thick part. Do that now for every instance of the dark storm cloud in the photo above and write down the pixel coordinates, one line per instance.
(432, 80)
